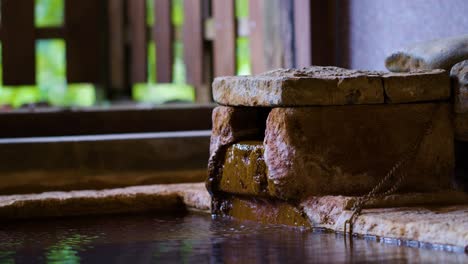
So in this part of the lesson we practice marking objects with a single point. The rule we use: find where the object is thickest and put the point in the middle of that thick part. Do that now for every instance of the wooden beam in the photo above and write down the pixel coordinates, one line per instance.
(18, 42)
(163, 35)
(60, 122)
(194, 52)
(102, 161)
(225, 38)
(50, 33)
(138, 41)
(271, 35)
(83, 36)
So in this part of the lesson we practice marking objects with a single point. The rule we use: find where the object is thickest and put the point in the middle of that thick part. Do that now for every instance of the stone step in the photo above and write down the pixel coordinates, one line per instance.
(137, 199)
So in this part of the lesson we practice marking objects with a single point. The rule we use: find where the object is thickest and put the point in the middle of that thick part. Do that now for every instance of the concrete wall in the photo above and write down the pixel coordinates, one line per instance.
(371, 29)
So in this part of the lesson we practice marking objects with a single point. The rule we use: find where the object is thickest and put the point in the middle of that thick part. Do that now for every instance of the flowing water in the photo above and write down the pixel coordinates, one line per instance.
(192, 238)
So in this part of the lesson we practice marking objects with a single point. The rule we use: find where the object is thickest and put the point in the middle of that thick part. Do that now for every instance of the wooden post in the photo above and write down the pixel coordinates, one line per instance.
(138, 41)
(83, 36)
(18, 42)
(225, 38)
(194, 52)
(163, 35)
(271, 38)
(315, 29)
(303, 34)
(117, 80)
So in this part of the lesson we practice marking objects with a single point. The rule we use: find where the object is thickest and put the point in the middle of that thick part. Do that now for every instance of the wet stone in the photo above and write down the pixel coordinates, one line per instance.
(244, 169)
(231, 125)
(348, 150)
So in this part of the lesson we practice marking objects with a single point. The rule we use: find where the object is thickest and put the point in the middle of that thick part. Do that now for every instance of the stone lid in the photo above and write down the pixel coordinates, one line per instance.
(329, 85)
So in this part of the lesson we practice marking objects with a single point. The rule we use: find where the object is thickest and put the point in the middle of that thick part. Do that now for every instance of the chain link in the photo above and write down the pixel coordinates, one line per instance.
(378, 191)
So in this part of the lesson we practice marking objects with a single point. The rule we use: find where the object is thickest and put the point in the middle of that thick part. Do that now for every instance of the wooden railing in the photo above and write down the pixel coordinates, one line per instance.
(106, 40)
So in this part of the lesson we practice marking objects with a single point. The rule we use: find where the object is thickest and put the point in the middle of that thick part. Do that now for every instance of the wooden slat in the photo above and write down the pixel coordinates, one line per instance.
(83, 34)
(138, 40)
(271, 35)
(257, 35)
(303, 32)
(163, 36)
(315, 30)
(194, 54)
(48, 122)
(116, 46)
(18, 43)
(225, 38)
(50, 32)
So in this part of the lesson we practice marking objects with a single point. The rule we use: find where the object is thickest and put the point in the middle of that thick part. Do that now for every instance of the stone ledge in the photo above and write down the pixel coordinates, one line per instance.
(137, 199)
(436, 218)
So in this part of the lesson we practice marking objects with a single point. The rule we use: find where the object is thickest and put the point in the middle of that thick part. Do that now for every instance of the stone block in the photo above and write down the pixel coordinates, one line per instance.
(459, 76)
(347, 150)
(303, 87)
(436, 54)
(321, 86)
(230, 125)
(416, 86)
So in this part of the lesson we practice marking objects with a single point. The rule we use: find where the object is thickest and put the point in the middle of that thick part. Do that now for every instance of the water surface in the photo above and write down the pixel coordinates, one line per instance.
(192, 238)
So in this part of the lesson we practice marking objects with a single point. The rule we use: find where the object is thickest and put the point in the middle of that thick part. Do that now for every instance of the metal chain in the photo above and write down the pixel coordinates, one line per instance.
(377, 190)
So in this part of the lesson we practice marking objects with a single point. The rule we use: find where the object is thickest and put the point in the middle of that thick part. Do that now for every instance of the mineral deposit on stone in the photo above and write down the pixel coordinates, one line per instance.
(459, 75)
(436, 54)
(429, 85)
(244, 170)
(347, 150)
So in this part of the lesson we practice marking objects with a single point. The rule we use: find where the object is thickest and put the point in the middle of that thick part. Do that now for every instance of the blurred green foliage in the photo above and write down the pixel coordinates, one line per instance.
(51, 84)
(242, 43)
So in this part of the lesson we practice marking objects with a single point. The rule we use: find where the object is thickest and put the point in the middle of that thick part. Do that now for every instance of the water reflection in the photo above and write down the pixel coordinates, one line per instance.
(191, 239)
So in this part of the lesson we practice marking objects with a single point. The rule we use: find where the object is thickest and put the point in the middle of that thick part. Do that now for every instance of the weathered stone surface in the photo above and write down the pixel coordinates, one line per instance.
(348, 150)
(436, 54)
(244, 170)
(416, 86)
(459, 76)
(441, 224)
(307, 86)
(150, 198)
(232, 124)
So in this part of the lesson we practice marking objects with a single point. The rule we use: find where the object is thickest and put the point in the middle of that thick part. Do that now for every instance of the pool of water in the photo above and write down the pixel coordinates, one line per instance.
(192, 238)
